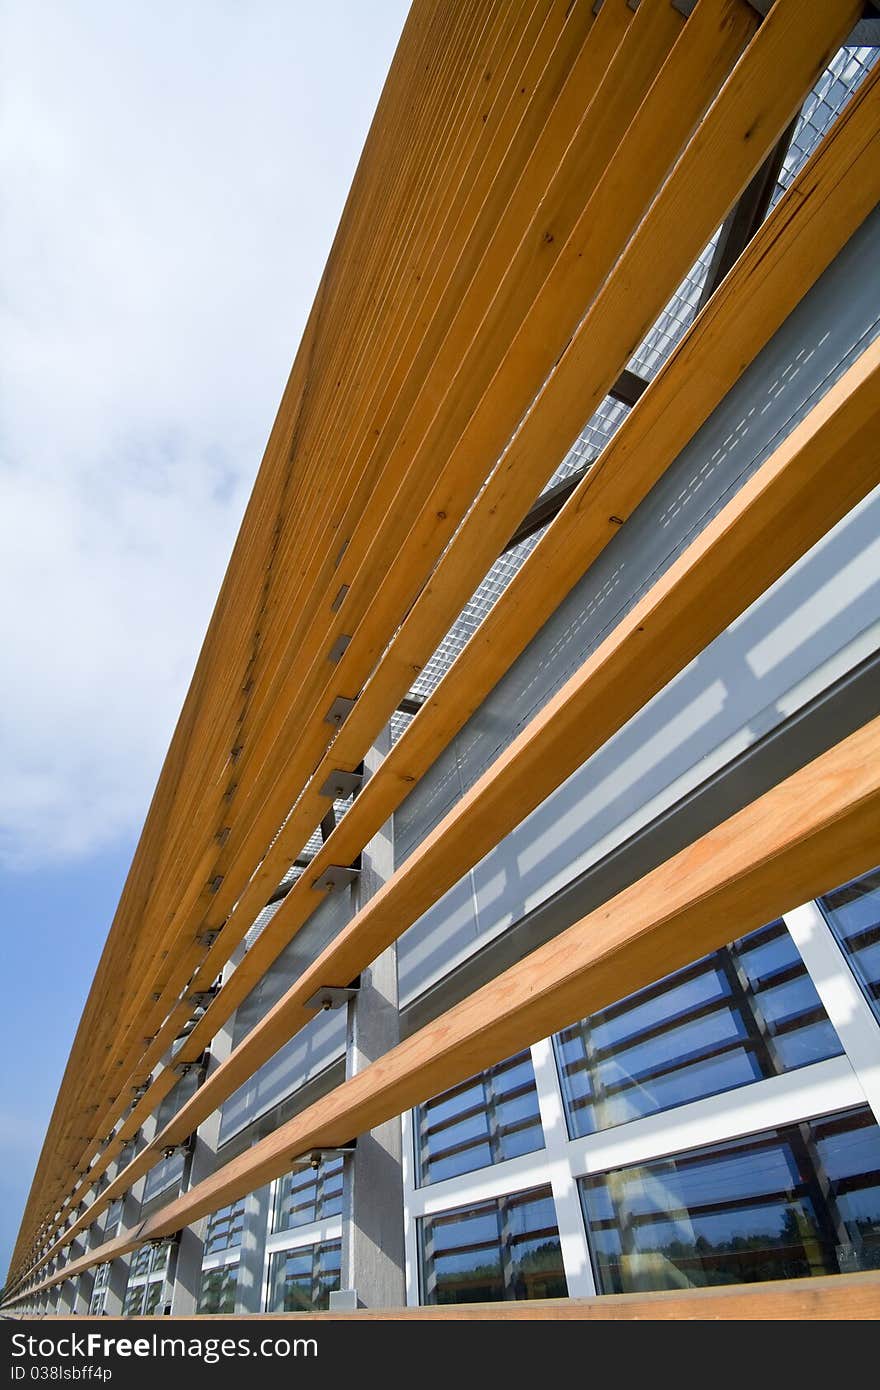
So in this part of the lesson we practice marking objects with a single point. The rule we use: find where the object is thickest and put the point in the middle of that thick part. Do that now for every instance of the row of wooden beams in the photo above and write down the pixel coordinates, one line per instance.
(551, 307)
(792, 844)
(828, 202)
(520, 155)
(294, 714)
(419, 96)
(826, 465)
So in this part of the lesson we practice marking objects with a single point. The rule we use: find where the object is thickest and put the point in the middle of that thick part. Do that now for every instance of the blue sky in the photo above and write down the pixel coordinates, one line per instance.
(174, 174)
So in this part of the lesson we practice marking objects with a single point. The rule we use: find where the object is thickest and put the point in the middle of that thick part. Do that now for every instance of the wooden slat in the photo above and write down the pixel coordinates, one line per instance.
(824, 1298)
(794, 843)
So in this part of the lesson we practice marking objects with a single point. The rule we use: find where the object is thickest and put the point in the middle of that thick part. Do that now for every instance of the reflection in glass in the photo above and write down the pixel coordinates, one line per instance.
(217, 1292)
(853, 914)
(506, 1248)
(308, 1194)
(492, 1117)
(301, 1281)
(784, 1204)
(224, 1228)
(747, 1012)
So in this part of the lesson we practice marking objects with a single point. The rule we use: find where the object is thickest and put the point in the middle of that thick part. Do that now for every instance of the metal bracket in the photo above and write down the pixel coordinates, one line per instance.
(316, 1156)
(200, 1000)
(184, 1068)
(330, 997)
(335, 877)
(138, 1092)
(209, 936)
(169, 1150)
(337, 651)
(339, 711)
(339, 599)
(341, 785)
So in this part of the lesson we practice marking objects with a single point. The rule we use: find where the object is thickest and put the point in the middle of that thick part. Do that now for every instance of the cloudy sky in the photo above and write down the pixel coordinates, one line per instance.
(172, 176)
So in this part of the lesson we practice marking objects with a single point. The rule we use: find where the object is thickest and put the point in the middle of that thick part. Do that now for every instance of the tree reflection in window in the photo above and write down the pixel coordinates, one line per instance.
(785, 1204)
(506, 1248)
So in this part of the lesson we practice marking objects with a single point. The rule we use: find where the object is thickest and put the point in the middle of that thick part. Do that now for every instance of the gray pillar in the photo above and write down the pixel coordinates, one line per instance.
(117, 1280)
(86, 1281)
(372, 1230)
(187, 1271)
(249, 1286)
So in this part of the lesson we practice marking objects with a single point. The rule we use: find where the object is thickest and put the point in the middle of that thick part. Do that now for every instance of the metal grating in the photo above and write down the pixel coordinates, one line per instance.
(843, 76)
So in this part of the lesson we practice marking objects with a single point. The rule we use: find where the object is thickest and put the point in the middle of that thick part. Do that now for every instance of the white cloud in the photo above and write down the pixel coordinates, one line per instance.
(173, 176)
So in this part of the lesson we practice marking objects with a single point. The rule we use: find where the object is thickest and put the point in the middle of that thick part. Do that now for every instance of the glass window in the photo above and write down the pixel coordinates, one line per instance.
(224, 1228)
(492, 1117)
(146, 1282)
(507, 1248)
(784, 1204)
(99, 1291)
(308, 1194)
(301, 1281)
(853, 914)
(747, 1012)
(217, 1292)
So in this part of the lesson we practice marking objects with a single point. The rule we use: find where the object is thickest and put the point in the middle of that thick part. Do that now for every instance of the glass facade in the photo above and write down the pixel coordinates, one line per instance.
(744, 1013)
(785, 1204)
(308, 1194)
(217, 1290)
(506, 1248)
(492, 1117)
(301, 1280)
(853, 914)
(224, 1229)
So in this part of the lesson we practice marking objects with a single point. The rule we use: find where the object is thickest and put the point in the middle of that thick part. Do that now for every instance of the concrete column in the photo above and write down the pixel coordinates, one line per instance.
(86, 1281)
(372, 1232)
(187, 1271)
(117, 1281)
(249, 1286)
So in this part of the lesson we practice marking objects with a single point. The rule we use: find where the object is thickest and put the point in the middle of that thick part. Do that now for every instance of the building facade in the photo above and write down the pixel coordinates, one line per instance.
(719, 1126)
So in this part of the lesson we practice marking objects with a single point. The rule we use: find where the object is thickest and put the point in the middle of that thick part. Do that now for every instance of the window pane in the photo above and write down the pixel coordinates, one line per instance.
(507, 1248)
(308, 1194)
(747, 1012)
(784, 1204)
(853, 914)
(217, 1293)
(133, 1301)
(224, 1228)
(490, 1118)
(302, 1280)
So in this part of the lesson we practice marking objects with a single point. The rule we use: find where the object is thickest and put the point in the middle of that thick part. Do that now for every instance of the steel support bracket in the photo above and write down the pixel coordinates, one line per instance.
(334, 877)
(330, 997)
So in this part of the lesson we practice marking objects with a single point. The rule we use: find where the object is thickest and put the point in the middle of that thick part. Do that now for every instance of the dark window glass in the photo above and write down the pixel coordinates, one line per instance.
(747, 1012)
(507, 1248)
(224, 1228)
(784, 1204)
(99, 1291)
(492, 1117)
(301, 1281)
(853, 913)
(133, 1301)
(217, 1292)
(308, 1194)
